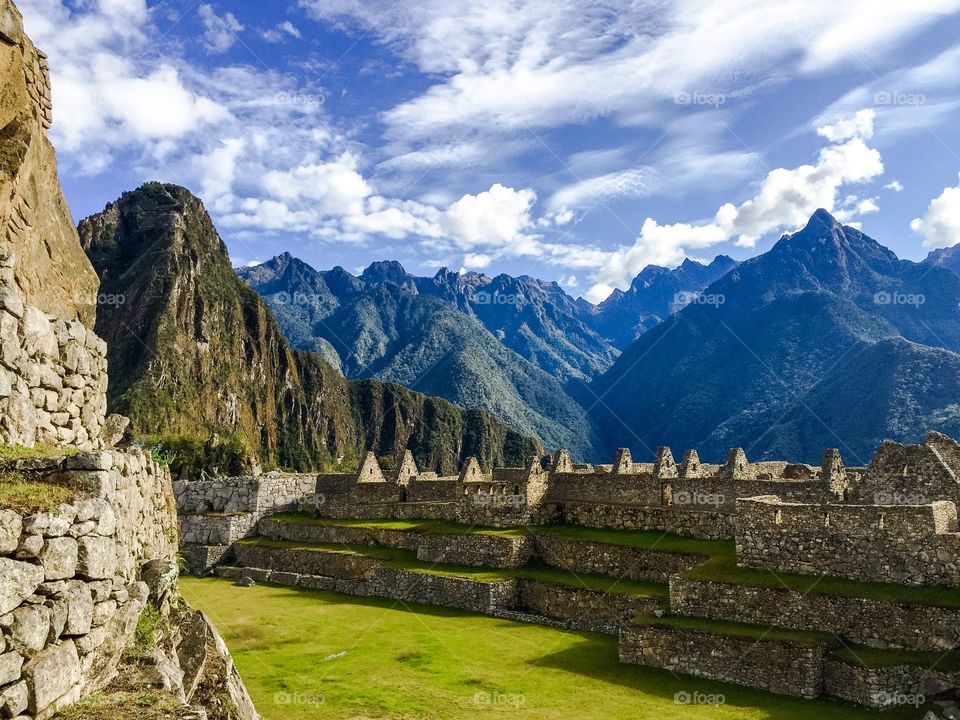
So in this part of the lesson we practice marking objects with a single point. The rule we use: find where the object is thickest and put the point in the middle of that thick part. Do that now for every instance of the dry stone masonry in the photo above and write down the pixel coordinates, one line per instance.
(70, 580)
(893, 521)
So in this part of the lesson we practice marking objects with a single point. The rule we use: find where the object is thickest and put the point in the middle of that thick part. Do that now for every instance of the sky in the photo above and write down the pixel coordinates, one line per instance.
(570, 140)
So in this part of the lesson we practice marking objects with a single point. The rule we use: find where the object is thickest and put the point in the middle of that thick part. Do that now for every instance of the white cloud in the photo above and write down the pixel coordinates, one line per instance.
(493, 218)
(634, 182)
(544, 63)
(786, 199)
(281, 32)
(940, 224)
(104, 101)
(894, 185)
(220, 32)
(858, 126)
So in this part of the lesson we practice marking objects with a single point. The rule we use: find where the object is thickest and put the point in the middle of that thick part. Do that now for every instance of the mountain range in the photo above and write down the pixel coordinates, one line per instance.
(193, 350)
(826, 340)
(518, 347)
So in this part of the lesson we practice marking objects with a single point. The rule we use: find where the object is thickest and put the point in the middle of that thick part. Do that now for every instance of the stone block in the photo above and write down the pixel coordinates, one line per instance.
(51, 674)
(13, 699)
(10, 665)
(97, 557)
(11, 527)
(79, 601)
(103, 612)
(60, 557)
(39, 338)
(18, 581)
(31, 626)
(30, 547)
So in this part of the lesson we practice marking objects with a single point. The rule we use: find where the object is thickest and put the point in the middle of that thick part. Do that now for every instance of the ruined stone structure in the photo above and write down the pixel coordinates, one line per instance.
(893, 521)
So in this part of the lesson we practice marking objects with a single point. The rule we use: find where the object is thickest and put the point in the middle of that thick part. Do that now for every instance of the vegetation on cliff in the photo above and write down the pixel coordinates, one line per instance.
(192, 350)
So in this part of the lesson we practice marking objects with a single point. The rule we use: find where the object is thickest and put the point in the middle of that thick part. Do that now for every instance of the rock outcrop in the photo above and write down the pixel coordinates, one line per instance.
(52, 365)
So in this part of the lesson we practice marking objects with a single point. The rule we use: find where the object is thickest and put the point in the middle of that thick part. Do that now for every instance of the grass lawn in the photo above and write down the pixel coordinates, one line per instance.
(309, 655)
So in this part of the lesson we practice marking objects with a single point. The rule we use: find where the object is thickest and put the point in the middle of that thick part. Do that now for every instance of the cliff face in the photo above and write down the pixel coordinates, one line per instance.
(52, 369)
(192, 350)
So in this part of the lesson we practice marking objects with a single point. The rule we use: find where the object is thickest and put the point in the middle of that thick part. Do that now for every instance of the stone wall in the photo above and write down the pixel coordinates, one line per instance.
(765, 664)
(892, 687)
(52, 366)
(906, 544)
(858, 620)
(337, 534)
(619, 561)
(341, 565)
(581, 609)
(262, 494)
(70, 590)
(476, 550)
(702, 524)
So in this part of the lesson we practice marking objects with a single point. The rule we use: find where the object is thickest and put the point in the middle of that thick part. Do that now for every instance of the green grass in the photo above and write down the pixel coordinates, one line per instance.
(720, 558)
(873, 657)
(407, 560)
(30, 496)
(344, 657)
(22, 452)
(738, 630)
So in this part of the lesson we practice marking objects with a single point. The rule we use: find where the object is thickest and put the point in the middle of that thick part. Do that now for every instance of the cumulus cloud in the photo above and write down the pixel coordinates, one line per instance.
(492, 218)
(858, 126)
(894, 185)
(219, 32)
(940, 224)
(105, 101)
(786, 199)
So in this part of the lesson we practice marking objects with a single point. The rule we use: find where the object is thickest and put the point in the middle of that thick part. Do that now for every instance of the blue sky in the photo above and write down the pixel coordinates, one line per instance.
(572, 140)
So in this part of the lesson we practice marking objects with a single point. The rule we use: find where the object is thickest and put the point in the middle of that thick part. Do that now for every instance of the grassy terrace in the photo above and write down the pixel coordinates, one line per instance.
(737, 630)
(851, 654)
(407, 560)
(720, 559)
(308, 655)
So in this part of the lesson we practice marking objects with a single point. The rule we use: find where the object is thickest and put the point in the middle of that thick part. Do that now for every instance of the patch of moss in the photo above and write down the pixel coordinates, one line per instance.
(30, 496)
